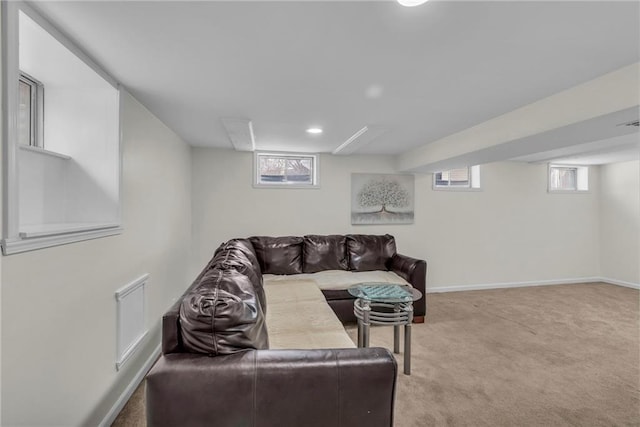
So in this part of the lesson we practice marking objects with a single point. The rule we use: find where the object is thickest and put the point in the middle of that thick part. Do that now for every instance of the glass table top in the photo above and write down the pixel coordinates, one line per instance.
(385, 292)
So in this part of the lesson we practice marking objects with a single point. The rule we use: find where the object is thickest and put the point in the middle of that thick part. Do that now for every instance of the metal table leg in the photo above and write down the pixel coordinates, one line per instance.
(407, 349)
(407, 341)
(365, 323)
(396, 331)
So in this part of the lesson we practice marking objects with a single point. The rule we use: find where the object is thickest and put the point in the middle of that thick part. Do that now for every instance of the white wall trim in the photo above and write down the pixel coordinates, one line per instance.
(619, 282)
(10, 100)
(17, 245)
(128, 392)
(504, 285)
(44, 152)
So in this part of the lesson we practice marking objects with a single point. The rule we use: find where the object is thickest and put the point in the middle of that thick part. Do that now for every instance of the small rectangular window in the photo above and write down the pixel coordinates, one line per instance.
(568, 178)
(31, 111)
(286, 170)
(462, 178)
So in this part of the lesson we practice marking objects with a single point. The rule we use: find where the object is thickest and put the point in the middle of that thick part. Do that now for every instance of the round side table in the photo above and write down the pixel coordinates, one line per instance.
(385, 304)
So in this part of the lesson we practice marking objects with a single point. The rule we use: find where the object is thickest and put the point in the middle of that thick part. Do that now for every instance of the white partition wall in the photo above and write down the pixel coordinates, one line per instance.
(620, 223)
(64, 185)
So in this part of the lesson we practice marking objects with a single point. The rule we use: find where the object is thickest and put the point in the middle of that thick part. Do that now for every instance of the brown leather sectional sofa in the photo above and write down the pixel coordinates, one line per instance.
(217, 366)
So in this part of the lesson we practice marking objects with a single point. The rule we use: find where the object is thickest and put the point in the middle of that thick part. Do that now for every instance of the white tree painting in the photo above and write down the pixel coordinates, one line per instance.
(382, 199)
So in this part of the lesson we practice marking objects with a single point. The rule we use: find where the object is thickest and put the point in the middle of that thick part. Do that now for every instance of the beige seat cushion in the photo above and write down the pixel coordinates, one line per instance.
(298, 317)
(340, 279)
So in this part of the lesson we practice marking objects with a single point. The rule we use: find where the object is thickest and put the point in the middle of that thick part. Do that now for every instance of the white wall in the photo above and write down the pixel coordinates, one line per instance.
(620, 222)
(58, 305)
(511, 231)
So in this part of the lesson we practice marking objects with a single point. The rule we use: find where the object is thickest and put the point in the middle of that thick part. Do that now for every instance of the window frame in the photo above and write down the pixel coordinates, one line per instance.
(580, 170)
(315, 169)
(36, 113)
(474, 180)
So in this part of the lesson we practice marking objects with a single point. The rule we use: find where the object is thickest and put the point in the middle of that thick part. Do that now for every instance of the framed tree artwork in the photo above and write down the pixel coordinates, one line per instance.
(382, 199)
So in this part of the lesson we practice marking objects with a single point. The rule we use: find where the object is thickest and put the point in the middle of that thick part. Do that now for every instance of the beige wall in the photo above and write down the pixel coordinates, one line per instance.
(58, 304)
(620, 222)
(511, 231)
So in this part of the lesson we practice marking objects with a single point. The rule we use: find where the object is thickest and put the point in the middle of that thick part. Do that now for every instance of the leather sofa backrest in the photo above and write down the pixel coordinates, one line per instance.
(222, 315)
(238, 254)
(171, 338)
(245, 246)
(324, 253)
(368, 252)
(278, 255)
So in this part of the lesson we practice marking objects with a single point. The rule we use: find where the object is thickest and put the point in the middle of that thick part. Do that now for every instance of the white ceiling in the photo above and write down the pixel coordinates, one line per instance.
(420, 73)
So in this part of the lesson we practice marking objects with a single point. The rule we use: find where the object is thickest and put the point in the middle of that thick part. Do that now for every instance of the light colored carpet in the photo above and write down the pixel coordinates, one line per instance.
(538, 356)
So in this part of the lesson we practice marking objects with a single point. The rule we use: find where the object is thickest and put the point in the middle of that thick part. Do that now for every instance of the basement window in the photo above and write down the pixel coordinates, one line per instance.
(285, 170)
(457, 179)
(69, 191)
(568, 178)
(31, 111)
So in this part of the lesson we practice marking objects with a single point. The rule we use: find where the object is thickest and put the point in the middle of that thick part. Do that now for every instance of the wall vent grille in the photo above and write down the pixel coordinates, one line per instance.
(131, 329)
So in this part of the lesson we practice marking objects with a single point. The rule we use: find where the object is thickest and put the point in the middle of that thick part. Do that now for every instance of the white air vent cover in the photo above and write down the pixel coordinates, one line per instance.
(240, 132)
(131, 330)
(359, 139)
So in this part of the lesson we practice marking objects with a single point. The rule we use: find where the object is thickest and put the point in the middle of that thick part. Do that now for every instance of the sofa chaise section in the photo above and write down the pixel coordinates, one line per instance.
(274, 388)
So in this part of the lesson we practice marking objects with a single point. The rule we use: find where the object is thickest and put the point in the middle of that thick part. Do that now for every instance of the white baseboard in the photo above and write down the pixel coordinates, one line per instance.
(619, 282)
(437, 289)
(128, 392)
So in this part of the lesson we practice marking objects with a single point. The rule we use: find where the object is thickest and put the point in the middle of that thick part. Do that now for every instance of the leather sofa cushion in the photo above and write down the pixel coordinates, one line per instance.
(222, 315)
(340, 279)
(324, 253)
(238, 254)
(368, 252)
(300, 318)
(278, 255)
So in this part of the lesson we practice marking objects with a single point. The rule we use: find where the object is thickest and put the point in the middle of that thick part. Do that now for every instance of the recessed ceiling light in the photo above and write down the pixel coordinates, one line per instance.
(374, 91)
(411, 3)
(314, 130)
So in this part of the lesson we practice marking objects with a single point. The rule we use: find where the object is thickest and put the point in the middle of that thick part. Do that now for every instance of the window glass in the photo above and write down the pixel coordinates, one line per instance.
(563, 178)
(24, 113)
(457, 178)
(568, 178)
(453, 177)
(285, 169)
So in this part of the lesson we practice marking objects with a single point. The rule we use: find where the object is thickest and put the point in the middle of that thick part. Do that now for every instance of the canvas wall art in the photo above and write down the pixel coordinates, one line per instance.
(382, 198)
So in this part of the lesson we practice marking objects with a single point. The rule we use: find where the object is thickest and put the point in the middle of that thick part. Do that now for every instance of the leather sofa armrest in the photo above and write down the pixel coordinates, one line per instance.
(413, 271)
(325, 387)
